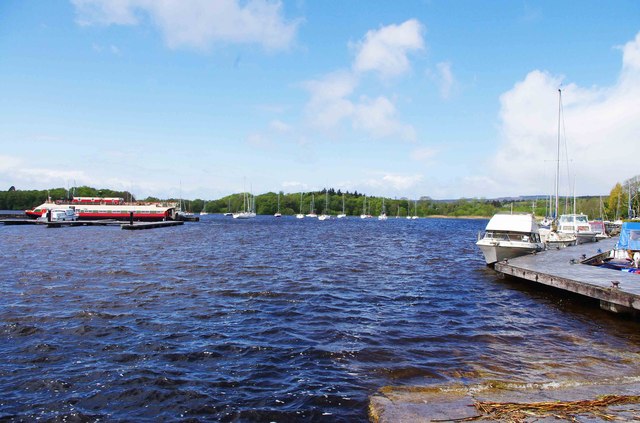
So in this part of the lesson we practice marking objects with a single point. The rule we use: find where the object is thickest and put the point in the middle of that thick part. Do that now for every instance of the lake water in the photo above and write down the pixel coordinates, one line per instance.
(275, 320)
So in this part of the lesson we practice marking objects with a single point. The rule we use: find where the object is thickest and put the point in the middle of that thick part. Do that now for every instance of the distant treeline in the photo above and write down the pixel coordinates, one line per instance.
(23, 200)
(354, 203)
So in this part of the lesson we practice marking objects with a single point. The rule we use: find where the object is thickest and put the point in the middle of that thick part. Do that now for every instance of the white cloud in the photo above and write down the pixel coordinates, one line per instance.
(393, 181)
(280, 127)
(425, 154)
(13, 172)
(377, 117)
(259, 141)
(328, 105)
(9, 162)
(104, 12)
(402, 182)
(294, 185)
(197, 23)
(446, 79)
(385, 51)
(600, 123)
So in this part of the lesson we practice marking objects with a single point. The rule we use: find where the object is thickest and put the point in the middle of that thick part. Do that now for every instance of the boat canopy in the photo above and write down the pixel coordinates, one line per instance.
(513, 222)
(629, 236)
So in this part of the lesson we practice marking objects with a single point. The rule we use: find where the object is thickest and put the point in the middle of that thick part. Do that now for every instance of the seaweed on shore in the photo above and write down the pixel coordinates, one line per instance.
(565, 410)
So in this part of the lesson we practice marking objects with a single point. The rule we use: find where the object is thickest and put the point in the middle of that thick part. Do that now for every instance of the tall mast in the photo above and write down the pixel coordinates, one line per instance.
(555, 216)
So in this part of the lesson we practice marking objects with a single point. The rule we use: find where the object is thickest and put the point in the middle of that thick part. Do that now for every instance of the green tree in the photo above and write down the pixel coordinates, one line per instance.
(616, 205)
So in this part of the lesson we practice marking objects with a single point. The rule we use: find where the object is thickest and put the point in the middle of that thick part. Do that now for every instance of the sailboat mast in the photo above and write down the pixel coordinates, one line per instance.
(555, 216)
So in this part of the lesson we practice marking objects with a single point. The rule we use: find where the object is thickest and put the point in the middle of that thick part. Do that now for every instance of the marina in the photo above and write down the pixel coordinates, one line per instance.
(294, 211)
(232, 319)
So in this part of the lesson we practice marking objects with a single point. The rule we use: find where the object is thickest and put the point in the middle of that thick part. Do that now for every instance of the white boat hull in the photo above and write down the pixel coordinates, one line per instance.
(495, 251)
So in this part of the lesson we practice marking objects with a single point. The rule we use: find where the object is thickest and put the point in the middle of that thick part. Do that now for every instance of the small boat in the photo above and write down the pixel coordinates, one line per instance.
(203, 212)
(383, 214)
(509, 235)
(365, 214)
(343, 214)
(415, 208)
(248, 208)
(68, 214)
(300, 215)
(625, 256)
(553, 239)
(278, 214)
(229, 213)
(325, 215)
(599, 227)
(578, 226)
(312, 209)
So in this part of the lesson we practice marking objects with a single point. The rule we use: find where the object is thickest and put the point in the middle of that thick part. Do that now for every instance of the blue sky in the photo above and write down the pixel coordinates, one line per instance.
(402, 99)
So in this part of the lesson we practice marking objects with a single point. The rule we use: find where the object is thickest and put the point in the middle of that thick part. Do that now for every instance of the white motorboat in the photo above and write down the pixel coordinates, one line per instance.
(68, 214)
(552, 239)
(510, 235)
(578, 226)
(599, 227)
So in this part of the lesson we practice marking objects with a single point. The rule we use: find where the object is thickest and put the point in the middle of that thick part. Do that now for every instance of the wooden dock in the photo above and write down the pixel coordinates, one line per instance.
(68, 223)
(617, 291)
(151, 225)
(12, 221)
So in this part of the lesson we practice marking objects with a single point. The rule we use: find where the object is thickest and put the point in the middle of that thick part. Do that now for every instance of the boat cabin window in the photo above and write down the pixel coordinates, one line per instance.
(512, 236)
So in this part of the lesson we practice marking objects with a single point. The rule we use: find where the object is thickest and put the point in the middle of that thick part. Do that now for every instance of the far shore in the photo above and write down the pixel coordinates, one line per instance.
(441, 216)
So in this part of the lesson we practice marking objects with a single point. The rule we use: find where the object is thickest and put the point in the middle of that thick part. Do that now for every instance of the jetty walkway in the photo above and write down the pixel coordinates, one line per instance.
(617, 291)
(67, 223)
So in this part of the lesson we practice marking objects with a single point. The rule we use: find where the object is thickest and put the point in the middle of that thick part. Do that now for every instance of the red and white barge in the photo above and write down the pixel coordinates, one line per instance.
(99, 208)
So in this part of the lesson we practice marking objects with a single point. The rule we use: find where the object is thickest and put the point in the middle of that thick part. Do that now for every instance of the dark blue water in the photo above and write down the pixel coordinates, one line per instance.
(274, 320)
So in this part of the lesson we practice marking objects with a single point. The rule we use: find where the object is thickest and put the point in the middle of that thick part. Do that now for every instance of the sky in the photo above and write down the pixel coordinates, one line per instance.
(204, 98)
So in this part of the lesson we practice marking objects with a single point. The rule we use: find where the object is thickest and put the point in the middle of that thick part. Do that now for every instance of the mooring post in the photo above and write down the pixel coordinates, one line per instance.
(130, 218)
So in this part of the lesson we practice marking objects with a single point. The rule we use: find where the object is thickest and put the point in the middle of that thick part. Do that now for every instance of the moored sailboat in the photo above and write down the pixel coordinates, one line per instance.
(343, 214)
(312, 209)
(325, 214)
(383, 213)
(300, 215)
(278, 214)
(365, 214)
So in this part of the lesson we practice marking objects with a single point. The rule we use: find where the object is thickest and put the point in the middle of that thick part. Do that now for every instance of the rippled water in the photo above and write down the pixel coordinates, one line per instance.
(274, 320)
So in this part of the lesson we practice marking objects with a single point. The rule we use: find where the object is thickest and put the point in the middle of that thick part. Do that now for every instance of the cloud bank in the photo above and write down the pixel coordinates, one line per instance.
(197, 24)
(383, 52)
(601, 126)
